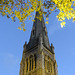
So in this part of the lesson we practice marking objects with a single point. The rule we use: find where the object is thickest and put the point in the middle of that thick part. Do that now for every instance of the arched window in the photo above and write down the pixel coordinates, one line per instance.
(31, 63)
(47, 63)
(35, 58)
(30, 66)
(27, 65)
(50, 67)
(33, 32)
(44, 61)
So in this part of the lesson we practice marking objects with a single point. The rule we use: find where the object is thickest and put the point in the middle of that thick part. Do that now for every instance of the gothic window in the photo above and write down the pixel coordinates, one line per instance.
(51, 67)
(35, 58)
(30, 66)
(31, 63)
(33, 32)
(27, 65)
(44, 61)
(48, 67)
(47, 63)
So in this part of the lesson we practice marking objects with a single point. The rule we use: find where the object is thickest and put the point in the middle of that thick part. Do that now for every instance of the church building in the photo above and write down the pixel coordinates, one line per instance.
(38, 55)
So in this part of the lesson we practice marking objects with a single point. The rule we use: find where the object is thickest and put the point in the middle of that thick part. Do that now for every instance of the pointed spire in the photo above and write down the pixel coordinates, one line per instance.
(38, 29)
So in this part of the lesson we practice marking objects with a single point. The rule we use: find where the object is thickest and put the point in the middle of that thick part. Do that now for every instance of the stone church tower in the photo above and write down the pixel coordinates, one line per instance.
(38, 56)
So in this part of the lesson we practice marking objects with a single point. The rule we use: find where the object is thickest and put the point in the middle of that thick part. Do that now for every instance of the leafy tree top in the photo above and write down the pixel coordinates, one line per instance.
(23, 9)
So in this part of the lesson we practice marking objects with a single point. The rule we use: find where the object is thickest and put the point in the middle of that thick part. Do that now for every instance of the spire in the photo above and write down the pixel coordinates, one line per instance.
(38, 30)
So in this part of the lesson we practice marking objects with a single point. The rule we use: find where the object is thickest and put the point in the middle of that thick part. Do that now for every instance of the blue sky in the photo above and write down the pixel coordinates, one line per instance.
(12, 41)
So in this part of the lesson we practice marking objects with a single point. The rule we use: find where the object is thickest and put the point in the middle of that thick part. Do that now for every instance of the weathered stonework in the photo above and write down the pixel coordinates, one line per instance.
(38, 56)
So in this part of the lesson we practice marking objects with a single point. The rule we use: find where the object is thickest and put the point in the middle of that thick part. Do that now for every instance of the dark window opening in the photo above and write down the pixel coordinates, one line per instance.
(33, 32)
(48, 67)
(35, 60)
(32, 64)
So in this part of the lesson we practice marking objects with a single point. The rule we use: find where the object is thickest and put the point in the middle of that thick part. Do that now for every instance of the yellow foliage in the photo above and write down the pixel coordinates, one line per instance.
(19, 28)
(33, 20)
(46, 18)
(63, 24)
(46, 22)
(29, 18)
(3, 13)
(24, 29)
(22, 10)
(12, 18)
(66, 10)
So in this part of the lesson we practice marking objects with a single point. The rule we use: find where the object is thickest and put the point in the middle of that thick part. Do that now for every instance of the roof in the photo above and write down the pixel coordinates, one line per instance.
(38, 30)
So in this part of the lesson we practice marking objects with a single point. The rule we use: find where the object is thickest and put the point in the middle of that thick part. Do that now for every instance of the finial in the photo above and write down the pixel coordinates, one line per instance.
(52, 47)
(25, 44)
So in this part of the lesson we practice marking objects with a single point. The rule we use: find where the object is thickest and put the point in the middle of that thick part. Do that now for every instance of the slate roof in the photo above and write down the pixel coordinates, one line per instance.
(38, 29)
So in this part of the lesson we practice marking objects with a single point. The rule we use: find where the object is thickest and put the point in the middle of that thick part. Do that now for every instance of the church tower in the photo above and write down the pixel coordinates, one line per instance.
(38, 56)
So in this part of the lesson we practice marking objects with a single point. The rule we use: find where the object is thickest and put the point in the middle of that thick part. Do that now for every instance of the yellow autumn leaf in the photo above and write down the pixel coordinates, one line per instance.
(24, 29)
(63, 24)
(46, 22)
(33, 20)
(74, 4)
(19, 28)
(12, 18)
(3, 13)
(29, 18)
(73, 19)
